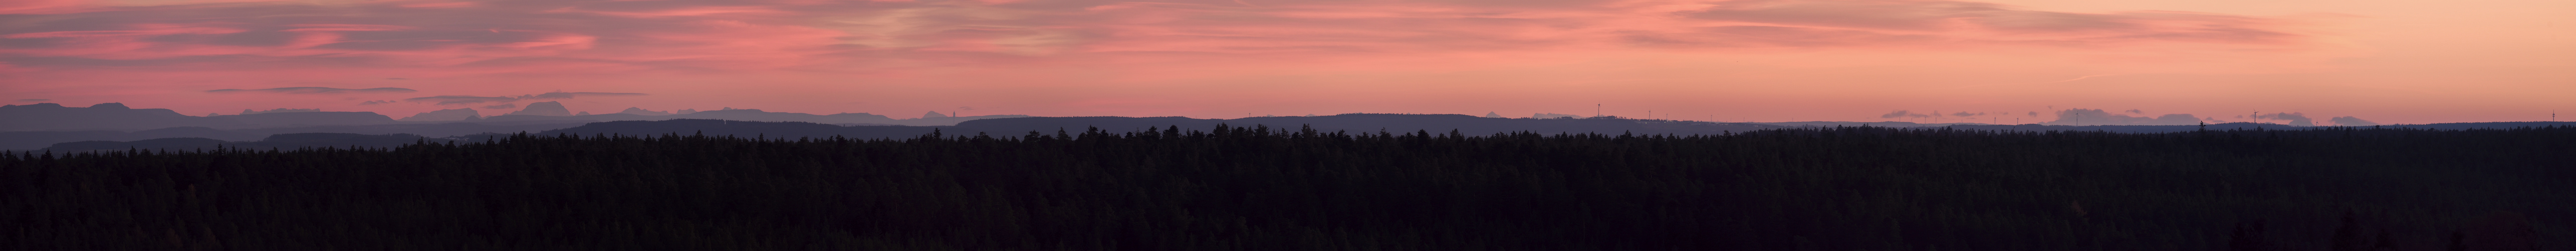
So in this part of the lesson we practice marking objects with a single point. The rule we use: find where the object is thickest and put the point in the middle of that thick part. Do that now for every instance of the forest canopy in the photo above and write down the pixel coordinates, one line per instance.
(1260, 188)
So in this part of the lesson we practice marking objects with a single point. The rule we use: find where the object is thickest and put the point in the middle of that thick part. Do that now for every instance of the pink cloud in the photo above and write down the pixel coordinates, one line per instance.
(441, 5)
(516, 46)
(670, 11)
(345, 27)
(139, 30)
(1958, 22)
(785, 34)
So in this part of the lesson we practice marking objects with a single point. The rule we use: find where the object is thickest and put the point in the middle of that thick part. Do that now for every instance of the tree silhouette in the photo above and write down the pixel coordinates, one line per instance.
(1261, 188)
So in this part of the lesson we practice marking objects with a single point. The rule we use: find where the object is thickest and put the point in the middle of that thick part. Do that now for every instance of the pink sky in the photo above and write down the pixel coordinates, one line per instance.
(2385, 61)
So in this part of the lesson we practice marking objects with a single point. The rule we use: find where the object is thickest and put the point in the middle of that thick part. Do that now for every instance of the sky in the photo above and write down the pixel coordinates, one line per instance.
(1712, 60)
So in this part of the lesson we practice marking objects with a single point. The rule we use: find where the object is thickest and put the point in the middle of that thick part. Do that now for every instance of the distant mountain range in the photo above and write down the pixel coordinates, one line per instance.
(34, 126)
(29, 127)
(116, 116)
(1357, 123)
(279, 141)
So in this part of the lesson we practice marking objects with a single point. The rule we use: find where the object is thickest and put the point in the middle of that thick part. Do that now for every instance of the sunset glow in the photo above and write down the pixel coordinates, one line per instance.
(1757, 60)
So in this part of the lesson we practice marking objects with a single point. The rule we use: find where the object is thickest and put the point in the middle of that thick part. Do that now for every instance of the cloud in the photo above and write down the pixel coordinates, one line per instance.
(459, 100)
(1535, 116)
(505, 45)
(2136, 111)
(316, 90)
(2296, 119)
(2034, 114)
(1903, 114)
(2351, 121)
(2085, 117)
(376, 102)
(1966, 114)
(501, 106)
(1868, 22)
(704, 35)
(33, 100)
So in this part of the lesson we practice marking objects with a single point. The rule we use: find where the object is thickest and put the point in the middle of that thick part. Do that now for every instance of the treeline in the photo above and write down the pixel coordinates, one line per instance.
(1233, 188)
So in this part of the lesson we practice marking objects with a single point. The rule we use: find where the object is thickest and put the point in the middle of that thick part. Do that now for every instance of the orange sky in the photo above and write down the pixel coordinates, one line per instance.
(2384, 61)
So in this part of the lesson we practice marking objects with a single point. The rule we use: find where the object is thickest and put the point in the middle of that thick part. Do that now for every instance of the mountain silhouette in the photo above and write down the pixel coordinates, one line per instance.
(30, 140)
(118, 117)
(162, 144)
(741, 129)
(642, 111)
(1552, 116)
(278, 110)
(548, 108)
(446, 115)
(279, 141)
(106, 116)
(1355, 123)
(1021, 126)
(41, 125)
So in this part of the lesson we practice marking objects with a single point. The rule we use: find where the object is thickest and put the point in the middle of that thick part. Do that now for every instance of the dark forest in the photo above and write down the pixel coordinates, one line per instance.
(1261, 188)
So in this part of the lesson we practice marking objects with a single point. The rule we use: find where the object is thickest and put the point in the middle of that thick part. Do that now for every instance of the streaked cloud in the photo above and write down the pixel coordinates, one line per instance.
(1094, 57)
(316, 90)
(2351, 121)
(2084, 117)
(1904, 114)
(461, 100)
(719, 35)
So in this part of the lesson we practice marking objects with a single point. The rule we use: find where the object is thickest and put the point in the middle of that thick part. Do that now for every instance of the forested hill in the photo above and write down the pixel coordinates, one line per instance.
(1015, 126)
(1358, 123)
(1849, 188)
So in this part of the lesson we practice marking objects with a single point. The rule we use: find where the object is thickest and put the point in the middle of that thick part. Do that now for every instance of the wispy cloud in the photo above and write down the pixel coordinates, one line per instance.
(699, 35)
(1903, 114)
(2351, 121)
(316, 90)
(472, 48)
(33, 100)
(459, 100)
(2100, 117)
